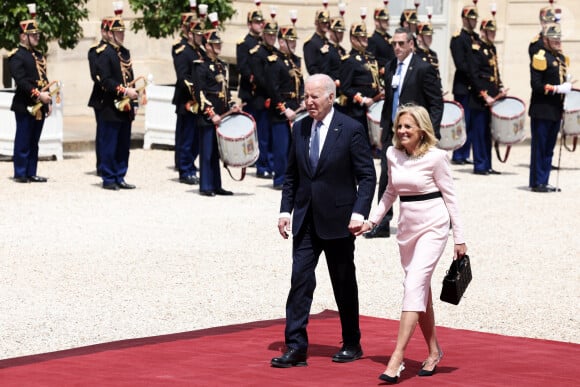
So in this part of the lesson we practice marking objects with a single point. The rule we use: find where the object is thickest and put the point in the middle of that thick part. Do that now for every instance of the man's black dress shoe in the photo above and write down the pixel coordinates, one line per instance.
(125, 185)
(278, 187)
(21, 179)
(207, 193)
(467, 161)
(347, 354)
(291, 358)
(494, 172)
(111, 187)
(190, 180)
(484, 173)
(458, 162)
(37, 179)
(264, 175)
(545, 188)
(379, 231)
(223, 192)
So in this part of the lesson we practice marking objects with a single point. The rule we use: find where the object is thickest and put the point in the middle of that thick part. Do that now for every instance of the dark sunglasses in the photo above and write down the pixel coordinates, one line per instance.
(400, 43)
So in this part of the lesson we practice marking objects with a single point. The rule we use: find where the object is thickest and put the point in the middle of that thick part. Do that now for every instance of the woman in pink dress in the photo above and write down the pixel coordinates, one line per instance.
(420, 175)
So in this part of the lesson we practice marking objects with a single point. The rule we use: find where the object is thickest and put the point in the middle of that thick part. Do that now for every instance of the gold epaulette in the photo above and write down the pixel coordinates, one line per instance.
(198, 61)
(457, 33)
(177, 42)
(475, 46)
(12, 52)
(179, 49)
(241, 41)
(345, 57)
(539, 61)
(273, 58)
(101, 48)
(254, 49)
(536, 38)
(567, 60)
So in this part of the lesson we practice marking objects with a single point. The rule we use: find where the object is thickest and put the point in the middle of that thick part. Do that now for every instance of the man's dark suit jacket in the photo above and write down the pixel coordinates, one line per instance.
(421, 86)
(330, 191)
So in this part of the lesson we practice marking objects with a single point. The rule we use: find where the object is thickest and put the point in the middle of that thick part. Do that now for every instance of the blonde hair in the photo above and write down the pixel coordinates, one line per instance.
(423, 121)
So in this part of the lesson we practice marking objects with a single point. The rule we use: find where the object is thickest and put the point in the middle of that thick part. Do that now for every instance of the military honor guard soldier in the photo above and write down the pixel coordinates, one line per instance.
(550, 84)
(28, 68)
(316, 48)
(115, 71)
(487, 88)
(461, 47)
(286, 91)
(424, 41)
(336, 50)
(96, 98)
(380, 41)
(212, 92)
(184, 53)
(359, 76)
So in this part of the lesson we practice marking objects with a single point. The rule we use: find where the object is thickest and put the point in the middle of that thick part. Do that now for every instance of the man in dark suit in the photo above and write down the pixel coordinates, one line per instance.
(329, 157)
(407, 79)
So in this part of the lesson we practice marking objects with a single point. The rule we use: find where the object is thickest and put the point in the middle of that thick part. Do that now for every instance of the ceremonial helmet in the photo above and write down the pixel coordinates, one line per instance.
(553, 31)
(271, 27)
(255, 16)
(547, 15)
(359, 29)
(197, 26)
(186, 18)
(29, 26)
(287, 33)
(488, 25)
(424, 29)
(409, 16)
(381, 14)
(469, 12)
(337, 24)
(322, 16)
(212, 36)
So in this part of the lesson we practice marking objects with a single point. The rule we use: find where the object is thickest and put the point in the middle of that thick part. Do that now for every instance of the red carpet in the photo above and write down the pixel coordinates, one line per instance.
(240, 354)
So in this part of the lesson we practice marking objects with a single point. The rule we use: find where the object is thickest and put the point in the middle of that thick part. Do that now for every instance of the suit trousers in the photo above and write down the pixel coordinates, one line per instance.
(98, 140)
(188, 145)
(114, 148)
(544, 136)
(462, 153)
(25, 156)
(210, 178)
(481, 139)
(264, 130)
(307, 247)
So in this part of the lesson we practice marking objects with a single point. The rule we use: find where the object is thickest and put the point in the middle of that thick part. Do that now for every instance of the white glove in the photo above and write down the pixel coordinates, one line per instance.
(564, 88)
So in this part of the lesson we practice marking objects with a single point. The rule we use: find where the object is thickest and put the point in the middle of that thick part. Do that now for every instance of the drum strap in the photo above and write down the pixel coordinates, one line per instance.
(507, 152)
(232, 176)
(574, 141)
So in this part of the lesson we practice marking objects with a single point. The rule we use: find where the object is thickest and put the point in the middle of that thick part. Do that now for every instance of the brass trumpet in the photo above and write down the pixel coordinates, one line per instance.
(124, 104)
(36, 109)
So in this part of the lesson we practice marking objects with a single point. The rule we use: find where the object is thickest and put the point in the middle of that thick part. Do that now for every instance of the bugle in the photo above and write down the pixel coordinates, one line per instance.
(36, 109)
(124, 104)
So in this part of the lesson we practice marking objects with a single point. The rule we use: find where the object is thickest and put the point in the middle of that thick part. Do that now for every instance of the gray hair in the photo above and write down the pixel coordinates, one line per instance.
(325, 81)
(403, 30)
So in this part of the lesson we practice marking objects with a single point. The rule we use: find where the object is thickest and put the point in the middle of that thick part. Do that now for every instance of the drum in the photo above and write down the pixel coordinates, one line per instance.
(237, 140)
(571, 125)
(452, 128)
(507, 120)
(374, 123)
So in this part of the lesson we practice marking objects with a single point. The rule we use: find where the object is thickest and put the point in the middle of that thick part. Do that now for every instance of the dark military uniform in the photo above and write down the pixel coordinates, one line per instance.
(548, 69)
(359, 78)
(486, 81)
(536, 44)
(316, 51)
(187, 141)
(115, 70)
(335, 55)
(461, 49)
(28, 68)
(381, 47)
(96, 98)
(214, 97)
(286, 90)
(258, 59)
(429, 56)
(250, 42)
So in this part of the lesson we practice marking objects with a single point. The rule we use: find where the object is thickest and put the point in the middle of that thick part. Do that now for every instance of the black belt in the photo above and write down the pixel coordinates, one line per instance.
(417, 198)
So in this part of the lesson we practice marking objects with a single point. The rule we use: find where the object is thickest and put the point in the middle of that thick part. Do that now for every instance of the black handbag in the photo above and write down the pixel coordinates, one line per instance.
(456, 280)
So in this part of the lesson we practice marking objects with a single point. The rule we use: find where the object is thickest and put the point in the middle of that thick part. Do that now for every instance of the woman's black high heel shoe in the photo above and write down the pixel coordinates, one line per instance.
(423, 372)
(392, 379)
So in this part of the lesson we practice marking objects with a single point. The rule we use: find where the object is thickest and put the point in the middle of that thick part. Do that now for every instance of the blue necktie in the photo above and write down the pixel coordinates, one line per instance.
(315, 145)
(396, 94)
